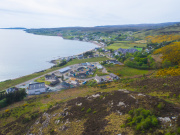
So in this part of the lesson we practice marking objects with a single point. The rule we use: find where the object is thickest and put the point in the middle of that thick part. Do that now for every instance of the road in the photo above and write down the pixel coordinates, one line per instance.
(25, 84)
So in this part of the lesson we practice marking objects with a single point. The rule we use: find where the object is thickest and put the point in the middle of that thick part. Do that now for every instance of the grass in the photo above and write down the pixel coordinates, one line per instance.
(124, 71)
(99, 72)
(125, 45)
(9, 83)
(76, 61)
(42, 79)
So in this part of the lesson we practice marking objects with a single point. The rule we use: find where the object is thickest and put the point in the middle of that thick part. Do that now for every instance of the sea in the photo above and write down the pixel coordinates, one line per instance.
(23, 53)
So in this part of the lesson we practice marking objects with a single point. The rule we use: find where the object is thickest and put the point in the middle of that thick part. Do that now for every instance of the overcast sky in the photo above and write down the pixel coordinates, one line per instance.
(62, 13)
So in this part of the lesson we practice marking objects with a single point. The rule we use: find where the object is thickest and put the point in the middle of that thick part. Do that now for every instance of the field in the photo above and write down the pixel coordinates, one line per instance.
(125, 45)
(10, 83)
(124, 71)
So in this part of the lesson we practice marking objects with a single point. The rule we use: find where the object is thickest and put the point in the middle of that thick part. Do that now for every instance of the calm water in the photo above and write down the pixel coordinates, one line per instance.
(22, 53)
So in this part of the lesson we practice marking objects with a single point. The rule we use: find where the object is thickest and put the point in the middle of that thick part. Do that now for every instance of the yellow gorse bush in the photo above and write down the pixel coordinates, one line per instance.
(169, 71)
(7, 110)
(162, 38)
(170, 52)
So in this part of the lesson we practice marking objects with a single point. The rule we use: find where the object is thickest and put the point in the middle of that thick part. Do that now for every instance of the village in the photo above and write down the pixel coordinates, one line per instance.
(75, 75)
(69, 77)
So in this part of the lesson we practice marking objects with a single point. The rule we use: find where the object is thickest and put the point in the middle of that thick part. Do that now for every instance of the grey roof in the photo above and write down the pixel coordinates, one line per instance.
(124, 51)
(113, 75)
(98, 78)
(36, 86)
(11, 89)
(64, 69)
(84, 64)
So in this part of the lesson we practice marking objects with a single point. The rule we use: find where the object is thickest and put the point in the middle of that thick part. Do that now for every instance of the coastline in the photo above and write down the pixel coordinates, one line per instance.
(93, 42)
(41, 71)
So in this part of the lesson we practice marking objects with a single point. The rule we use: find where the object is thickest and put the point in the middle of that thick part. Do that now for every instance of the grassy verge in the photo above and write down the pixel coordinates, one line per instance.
(10, 83)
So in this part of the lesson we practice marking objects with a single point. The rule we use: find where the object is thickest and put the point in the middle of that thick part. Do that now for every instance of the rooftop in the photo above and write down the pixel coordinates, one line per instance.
(64, 69)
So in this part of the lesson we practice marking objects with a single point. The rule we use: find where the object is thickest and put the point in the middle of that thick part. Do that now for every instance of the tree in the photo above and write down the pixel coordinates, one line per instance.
(166, 64)
(62, 77)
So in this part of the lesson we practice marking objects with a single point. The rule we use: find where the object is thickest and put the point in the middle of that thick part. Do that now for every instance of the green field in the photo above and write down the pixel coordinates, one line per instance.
(125, 45)
(124, 71)
(10, 83)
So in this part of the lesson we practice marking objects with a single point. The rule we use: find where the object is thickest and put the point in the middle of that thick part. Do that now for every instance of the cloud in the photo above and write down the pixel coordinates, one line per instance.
(58, 13)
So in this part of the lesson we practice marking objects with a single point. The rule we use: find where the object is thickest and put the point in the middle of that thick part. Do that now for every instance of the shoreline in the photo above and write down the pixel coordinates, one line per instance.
(51, 61)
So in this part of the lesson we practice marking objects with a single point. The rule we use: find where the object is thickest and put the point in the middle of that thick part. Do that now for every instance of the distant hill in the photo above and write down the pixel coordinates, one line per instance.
(141, 26)
(107, 28)
(14, 28)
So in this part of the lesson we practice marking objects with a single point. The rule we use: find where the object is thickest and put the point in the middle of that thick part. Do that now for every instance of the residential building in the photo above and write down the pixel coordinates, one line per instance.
(9, 90)
(36, 88)
(124, 51)
(114, 77)
(99, 79)
(64, 70)
(50, 77)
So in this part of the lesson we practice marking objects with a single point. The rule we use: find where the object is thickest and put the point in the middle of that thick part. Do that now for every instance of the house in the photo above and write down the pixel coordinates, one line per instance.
(124, 51)
(99, 67)
(114, 77)
(36, 88)
(9, 90)
(66, 85)
(64, 70)
(99, 79)
(68, 59)
(50, 77)
(82, 75)
(53, 83)
(72, 79)
(97, 48)
(96, 55)
(116, 53)
(80, 56)
(73, 57)
(112, 61)
(80, 69)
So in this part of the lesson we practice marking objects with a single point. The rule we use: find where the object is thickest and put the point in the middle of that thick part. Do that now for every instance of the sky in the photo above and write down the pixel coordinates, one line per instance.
(86, 13)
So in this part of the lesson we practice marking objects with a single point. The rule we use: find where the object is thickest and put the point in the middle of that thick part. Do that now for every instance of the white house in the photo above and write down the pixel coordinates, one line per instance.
(98, 79)
(36, 88)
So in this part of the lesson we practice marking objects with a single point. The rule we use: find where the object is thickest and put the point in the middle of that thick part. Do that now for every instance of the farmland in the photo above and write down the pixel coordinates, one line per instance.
(126, 45)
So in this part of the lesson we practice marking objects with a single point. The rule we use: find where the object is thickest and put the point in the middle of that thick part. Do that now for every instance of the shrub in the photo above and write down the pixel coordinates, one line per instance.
(178, 130)
(160, 105)
(7, 110)
(94, 112)
(47, 96)
(34, 115)
(170, 133)
(89, 110)
(83, 109)
(174, 96)
(25, 104)
(165, 84)
(3, 103)
(142, 119)
(26, 120)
